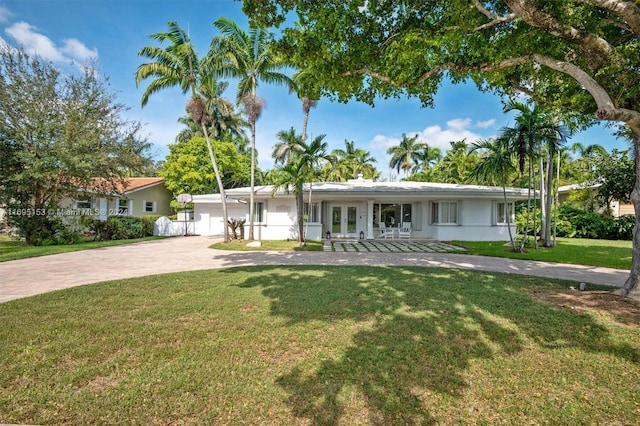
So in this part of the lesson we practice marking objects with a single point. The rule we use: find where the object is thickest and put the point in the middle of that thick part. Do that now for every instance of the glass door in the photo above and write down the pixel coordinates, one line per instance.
(344, 221)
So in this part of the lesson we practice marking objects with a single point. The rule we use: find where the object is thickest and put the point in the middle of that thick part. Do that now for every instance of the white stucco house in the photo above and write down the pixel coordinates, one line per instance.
(359, 208)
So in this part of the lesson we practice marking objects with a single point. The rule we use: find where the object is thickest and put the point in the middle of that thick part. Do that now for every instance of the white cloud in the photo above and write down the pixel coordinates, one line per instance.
(36, 43)
(79, 51)
(435, 136)
(486, 124)
(5, 14)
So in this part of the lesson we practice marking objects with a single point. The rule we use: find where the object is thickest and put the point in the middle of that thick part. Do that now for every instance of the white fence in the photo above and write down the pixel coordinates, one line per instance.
(165, 227)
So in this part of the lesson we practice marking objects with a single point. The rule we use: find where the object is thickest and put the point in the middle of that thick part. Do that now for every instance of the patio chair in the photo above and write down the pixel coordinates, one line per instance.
(384, 231)
(405, 230)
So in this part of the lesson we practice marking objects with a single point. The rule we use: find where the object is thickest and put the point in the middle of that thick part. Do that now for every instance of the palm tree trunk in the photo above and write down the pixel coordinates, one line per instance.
(304, 126)
(508, 214)
(548, 200)
(299, 210)
(253, 177)
(543, 206)
(526, 227)
(223, 197)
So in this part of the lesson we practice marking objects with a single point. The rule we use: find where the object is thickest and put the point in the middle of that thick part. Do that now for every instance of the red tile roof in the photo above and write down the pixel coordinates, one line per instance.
(125, 185)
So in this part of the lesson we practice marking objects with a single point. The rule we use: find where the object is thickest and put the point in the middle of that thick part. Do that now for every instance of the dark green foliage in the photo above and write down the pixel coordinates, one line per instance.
(122, 227)
(577, 223)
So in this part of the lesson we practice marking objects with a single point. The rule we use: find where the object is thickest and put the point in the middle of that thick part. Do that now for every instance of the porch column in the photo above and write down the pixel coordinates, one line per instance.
(370, 219)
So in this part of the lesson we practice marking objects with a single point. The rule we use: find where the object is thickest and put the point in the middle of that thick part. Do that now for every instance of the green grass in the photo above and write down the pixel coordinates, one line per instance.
(316, 345)
(606, 253)
(12, 250)
(269, 245)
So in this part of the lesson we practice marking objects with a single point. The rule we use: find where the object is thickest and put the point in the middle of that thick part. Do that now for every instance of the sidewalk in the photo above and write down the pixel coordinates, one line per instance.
(27, 277)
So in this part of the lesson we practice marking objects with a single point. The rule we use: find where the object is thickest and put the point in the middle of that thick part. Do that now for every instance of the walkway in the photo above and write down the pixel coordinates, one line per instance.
(27, 277)
(392, 246)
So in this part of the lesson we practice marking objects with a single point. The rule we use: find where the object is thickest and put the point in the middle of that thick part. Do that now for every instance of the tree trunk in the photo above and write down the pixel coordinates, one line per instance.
(299, 210)
(526, 227)
(508, 214)
(548, 200)
(543, 206)
(253, 177)
(223, 197)
(631, 287)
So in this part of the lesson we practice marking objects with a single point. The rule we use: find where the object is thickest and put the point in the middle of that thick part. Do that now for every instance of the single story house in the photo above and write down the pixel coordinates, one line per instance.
(138, 196)
(360, 208)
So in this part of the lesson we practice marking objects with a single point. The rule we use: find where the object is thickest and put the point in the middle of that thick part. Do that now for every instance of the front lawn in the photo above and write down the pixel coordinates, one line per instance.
(269, 245)
(578, 251)
(315, 345)
(12, 249)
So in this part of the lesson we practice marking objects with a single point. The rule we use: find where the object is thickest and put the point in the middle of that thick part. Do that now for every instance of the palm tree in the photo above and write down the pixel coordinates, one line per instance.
(406, 154)
(301, 167)
(178, 65)
(284, 151)
(495, 166)
(350, 162)
(247, 56)
(533, 128)
(429, 157)
(222, 112)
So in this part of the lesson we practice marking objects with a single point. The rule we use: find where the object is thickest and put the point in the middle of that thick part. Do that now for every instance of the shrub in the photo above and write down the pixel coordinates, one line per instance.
(122, 227)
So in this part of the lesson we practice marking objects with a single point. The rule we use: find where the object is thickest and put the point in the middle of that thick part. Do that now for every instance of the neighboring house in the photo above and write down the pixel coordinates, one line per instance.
(356, 208)
(617, 208)
(139, 196)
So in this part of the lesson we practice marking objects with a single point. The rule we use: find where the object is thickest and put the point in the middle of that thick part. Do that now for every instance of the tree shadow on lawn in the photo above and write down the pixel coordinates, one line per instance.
(419, 330)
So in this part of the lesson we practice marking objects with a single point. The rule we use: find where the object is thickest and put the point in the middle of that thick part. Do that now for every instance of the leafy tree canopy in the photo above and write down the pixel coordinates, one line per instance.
(187, 167)
(57, 132)
(365, 49)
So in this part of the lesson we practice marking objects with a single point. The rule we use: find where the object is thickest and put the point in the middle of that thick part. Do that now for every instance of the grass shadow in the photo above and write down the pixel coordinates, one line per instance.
(416, 331)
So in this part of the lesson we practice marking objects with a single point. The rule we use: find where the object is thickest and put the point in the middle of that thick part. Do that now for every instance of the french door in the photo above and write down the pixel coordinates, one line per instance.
(344, 221)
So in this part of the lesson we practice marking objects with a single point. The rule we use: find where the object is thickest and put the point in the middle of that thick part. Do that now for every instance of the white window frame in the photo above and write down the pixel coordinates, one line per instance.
(314, 217)
(441, 209)
(259, 213)
(119, 206)
(502, 220)
(153, 206)
(78, 204)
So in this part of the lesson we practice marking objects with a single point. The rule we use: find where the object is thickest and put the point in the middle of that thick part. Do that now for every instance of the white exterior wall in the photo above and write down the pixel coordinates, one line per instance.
(476, 222)
(476, 219)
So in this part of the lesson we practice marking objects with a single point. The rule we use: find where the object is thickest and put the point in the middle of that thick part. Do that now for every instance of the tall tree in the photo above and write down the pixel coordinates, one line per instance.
(187, 167)
(406, 155)
(457, 162)
(582, 54)
(178, 65)
(249, 57)
(349, 163)
(429, 157)
(534, 133)
(302, 167)
(496, 166)
(57, 133)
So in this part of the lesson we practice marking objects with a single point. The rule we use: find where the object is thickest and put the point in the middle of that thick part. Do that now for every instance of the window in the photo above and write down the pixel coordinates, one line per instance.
(444, 212)
(501, 213)
(391, 214)
(149, 206)
(84, 203)
(123, 207)
(311, 215)
(258, 212)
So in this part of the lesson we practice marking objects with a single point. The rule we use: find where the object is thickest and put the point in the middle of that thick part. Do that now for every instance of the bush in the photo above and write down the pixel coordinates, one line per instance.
(621, 228)
(122, 227)
(577, 223)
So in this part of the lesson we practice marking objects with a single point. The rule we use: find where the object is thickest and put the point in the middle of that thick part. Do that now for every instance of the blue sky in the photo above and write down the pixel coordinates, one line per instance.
(113, 31)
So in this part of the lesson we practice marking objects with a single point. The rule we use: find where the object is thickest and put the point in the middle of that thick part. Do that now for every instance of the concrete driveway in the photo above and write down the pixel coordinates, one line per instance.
(27, 277)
